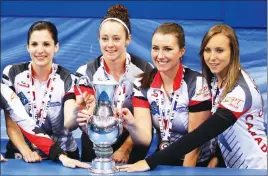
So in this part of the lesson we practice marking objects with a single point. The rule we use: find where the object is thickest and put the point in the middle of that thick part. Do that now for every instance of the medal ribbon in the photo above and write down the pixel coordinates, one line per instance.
(40, 116)
(216, 95)
(167, 114)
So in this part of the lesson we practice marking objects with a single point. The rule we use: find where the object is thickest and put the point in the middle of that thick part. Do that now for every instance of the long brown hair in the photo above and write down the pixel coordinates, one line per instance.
(234, 66)
(166, 28)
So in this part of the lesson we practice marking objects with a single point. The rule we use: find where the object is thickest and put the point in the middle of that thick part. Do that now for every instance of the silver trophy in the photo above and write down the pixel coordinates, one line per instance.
(103, 128)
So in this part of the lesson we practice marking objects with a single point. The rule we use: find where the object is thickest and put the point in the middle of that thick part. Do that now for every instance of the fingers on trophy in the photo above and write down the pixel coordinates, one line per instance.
(103, 127)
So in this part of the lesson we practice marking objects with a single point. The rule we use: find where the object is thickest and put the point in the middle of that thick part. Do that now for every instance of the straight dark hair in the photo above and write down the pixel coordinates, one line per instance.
(43, 25)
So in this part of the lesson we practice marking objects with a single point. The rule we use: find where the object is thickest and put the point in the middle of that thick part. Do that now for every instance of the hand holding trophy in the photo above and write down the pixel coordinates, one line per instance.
(103, 128)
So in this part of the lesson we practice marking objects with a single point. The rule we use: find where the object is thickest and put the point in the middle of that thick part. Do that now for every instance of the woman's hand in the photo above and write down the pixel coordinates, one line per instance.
(86, 104)
(136, 167)
(121, 156)
(83, 118)
(31, 157)
(2, 158)
(126, 116)
(72, 163)
(86, 101)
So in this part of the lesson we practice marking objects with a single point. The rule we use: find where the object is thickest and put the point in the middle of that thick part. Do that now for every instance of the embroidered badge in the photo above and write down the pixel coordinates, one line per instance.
(23, 98)
(54, 104)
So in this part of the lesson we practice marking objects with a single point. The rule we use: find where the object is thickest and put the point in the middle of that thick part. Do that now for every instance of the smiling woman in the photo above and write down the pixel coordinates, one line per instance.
(167, 50)
(46, 95)
(113, 44)
(173, 99)
(42, 46)
(237, 118)
(115, 64)
(42, 50)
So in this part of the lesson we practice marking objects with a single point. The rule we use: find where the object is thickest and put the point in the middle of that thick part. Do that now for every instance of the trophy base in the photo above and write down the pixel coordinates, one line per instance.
(105, 166)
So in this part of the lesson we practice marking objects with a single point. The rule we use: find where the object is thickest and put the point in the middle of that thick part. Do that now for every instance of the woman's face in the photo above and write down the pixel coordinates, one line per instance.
(113, 40)
(42, 48)
(217, 54)
(166, 52)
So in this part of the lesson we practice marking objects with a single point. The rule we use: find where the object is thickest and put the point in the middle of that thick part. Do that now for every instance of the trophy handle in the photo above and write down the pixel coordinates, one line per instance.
(120, 100)
(87, 83)
(119, 105)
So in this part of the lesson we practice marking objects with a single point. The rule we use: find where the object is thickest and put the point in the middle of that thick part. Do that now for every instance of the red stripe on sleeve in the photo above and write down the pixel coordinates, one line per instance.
(236, 114)
(83, 89)
(137, 102)
(42, 142)
(193, 102)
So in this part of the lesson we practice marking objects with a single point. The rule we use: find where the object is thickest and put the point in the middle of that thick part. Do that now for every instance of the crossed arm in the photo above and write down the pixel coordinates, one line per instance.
(18, 122)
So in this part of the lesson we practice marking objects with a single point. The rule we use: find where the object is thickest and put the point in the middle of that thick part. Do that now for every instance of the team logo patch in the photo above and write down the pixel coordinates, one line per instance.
(181, 109)
(23, 84)
(23, 98)
(203, 90)
(233, 103)
(154, 108)
(54, 104)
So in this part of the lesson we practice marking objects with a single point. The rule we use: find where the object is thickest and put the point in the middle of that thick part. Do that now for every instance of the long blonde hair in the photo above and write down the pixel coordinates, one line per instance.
(234, 66)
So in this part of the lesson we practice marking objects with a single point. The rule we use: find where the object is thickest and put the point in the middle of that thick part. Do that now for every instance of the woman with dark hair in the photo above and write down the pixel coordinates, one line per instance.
(172, 98)
(237, 110)
(115, 64)
(46, 91)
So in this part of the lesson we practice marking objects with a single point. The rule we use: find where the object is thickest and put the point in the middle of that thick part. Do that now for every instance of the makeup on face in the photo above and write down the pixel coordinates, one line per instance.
(42, 48)
(217, 54)
(165, 52)
(112, 38)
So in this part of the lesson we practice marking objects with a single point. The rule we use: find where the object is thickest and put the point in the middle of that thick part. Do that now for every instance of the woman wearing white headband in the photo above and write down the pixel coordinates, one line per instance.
(117, 65)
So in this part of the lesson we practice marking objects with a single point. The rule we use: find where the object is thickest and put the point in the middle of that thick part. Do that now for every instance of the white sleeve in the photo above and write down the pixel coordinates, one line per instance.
(238, 101)
(27, 125)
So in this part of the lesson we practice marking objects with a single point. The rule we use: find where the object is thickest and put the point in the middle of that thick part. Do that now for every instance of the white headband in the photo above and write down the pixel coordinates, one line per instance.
(116, 19)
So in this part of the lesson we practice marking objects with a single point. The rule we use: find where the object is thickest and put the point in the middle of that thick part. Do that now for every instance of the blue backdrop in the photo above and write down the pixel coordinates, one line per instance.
(78, 24)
